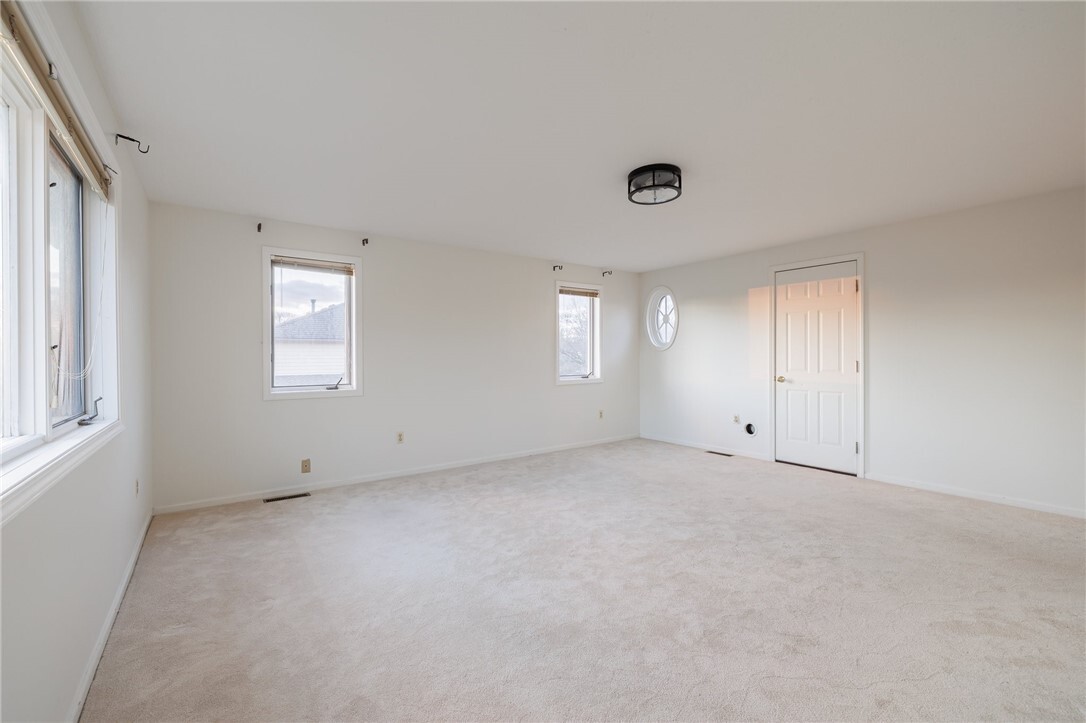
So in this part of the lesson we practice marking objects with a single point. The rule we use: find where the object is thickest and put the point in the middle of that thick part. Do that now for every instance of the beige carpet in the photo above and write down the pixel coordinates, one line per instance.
(631, 581)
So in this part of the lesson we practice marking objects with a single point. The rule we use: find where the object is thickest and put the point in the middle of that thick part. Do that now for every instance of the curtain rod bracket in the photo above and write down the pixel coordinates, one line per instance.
(139, 147)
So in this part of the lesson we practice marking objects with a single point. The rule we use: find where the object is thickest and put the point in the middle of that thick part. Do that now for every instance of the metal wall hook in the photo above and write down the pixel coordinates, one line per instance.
(117, 139)
(607, 273)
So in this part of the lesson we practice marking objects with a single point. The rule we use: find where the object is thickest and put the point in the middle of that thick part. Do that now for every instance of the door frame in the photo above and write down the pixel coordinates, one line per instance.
(861, 404)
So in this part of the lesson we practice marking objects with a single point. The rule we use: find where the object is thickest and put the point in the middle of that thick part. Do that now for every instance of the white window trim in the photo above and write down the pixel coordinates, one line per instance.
(32, 463)
(353, 390)
(597, 373)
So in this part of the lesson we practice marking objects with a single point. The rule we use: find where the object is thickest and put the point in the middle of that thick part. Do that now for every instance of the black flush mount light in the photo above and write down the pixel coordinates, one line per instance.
(655, 184)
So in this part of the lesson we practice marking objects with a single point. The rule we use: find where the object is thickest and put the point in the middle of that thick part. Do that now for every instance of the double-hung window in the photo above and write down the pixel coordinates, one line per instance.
(310, 324)
(58, 354)
(578, 333)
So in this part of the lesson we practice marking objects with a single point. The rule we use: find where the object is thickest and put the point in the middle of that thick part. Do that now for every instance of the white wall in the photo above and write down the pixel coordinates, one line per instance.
(975, 351)
(458, 350)
(65, 558)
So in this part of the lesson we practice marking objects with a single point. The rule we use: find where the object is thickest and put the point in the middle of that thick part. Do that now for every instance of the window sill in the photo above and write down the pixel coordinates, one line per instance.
(592, 380)
(270, 396)
(13, 447)
(28, 476)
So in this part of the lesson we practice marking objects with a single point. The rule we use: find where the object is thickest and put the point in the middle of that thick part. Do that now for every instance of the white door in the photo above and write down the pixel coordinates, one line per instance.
(817, 366)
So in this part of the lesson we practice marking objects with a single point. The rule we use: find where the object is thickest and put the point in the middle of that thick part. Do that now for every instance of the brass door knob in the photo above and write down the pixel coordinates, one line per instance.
(780, 379)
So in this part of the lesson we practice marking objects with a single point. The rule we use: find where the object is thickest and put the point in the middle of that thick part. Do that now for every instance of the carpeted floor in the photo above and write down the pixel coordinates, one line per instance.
(631, 581)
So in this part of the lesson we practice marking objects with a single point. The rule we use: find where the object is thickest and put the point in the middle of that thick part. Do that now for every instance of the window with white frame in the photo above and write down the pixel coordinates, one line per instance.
(58, 286)
(310, 324)
(662, 317)
(578, 333)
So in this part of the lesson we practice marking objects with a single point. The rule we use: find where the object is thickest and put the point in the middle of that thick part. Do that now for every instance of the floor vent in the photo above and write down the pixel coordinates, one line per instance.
(722, 454)
(286, 497)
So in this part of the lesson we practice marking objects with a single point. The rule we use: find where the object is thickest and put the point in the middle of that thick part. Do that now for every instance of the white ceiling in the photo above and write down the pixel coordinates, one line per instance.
(512, 127)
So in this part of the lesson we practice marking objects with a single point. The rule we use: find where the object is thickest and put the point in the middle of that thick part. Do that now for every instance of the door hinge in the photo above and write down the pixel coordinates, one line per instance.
(857, 284)
(857, 448)
(857, 366)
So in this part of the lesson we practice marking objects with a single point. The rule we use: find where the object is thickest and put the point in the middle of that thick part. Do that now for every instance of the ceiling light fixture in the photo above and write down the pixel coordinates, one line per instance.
(654, 184)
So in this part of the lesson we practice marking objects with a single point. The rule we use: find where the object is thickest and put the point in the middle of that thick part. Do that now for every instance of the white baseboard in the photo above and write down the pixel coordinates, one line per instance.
(888, 479)
(901, 482)
(983, 496)
(711, 448)
(76, 709)
(329, 484)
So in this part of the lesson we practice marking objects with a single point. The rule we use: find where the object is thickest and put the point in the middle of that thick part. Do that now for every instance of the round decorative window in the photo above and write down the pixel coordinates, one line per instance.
(662, 316)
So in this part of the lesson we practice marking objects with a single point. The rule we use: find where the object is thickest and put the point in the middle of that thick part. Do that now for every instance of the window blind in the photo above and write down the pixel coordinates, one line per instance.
(31, 62)
(288, 262)
(590, 293)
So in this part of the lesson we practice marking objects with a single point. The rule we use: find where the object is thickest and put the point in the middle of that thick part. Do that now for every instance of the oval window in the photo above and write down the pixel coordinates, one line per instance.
(662, 317)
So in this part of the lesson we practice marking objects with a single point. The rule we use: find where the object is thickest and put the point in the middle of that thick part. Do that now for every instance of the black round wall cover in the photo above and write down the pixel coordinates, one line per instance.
(751, 429)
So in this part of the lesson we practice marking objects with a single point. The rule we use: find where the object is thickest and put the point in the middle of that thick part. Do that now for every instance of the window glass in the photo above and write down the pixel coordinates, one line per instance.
(9, 398)
(65, 263)
(311, 324)
(665, 318)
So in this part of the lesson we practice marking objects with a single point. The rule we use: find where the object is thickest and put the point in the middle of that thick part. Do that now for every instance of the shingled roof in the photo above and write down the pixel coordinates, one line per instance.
(324, 325)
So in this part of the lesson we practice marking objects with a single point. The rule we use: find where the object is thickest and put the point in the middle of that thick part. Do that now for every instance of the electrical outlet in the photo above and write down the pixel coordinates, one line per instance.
(307, 466)
(736, 419)
(399, 437)
(601, 414)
